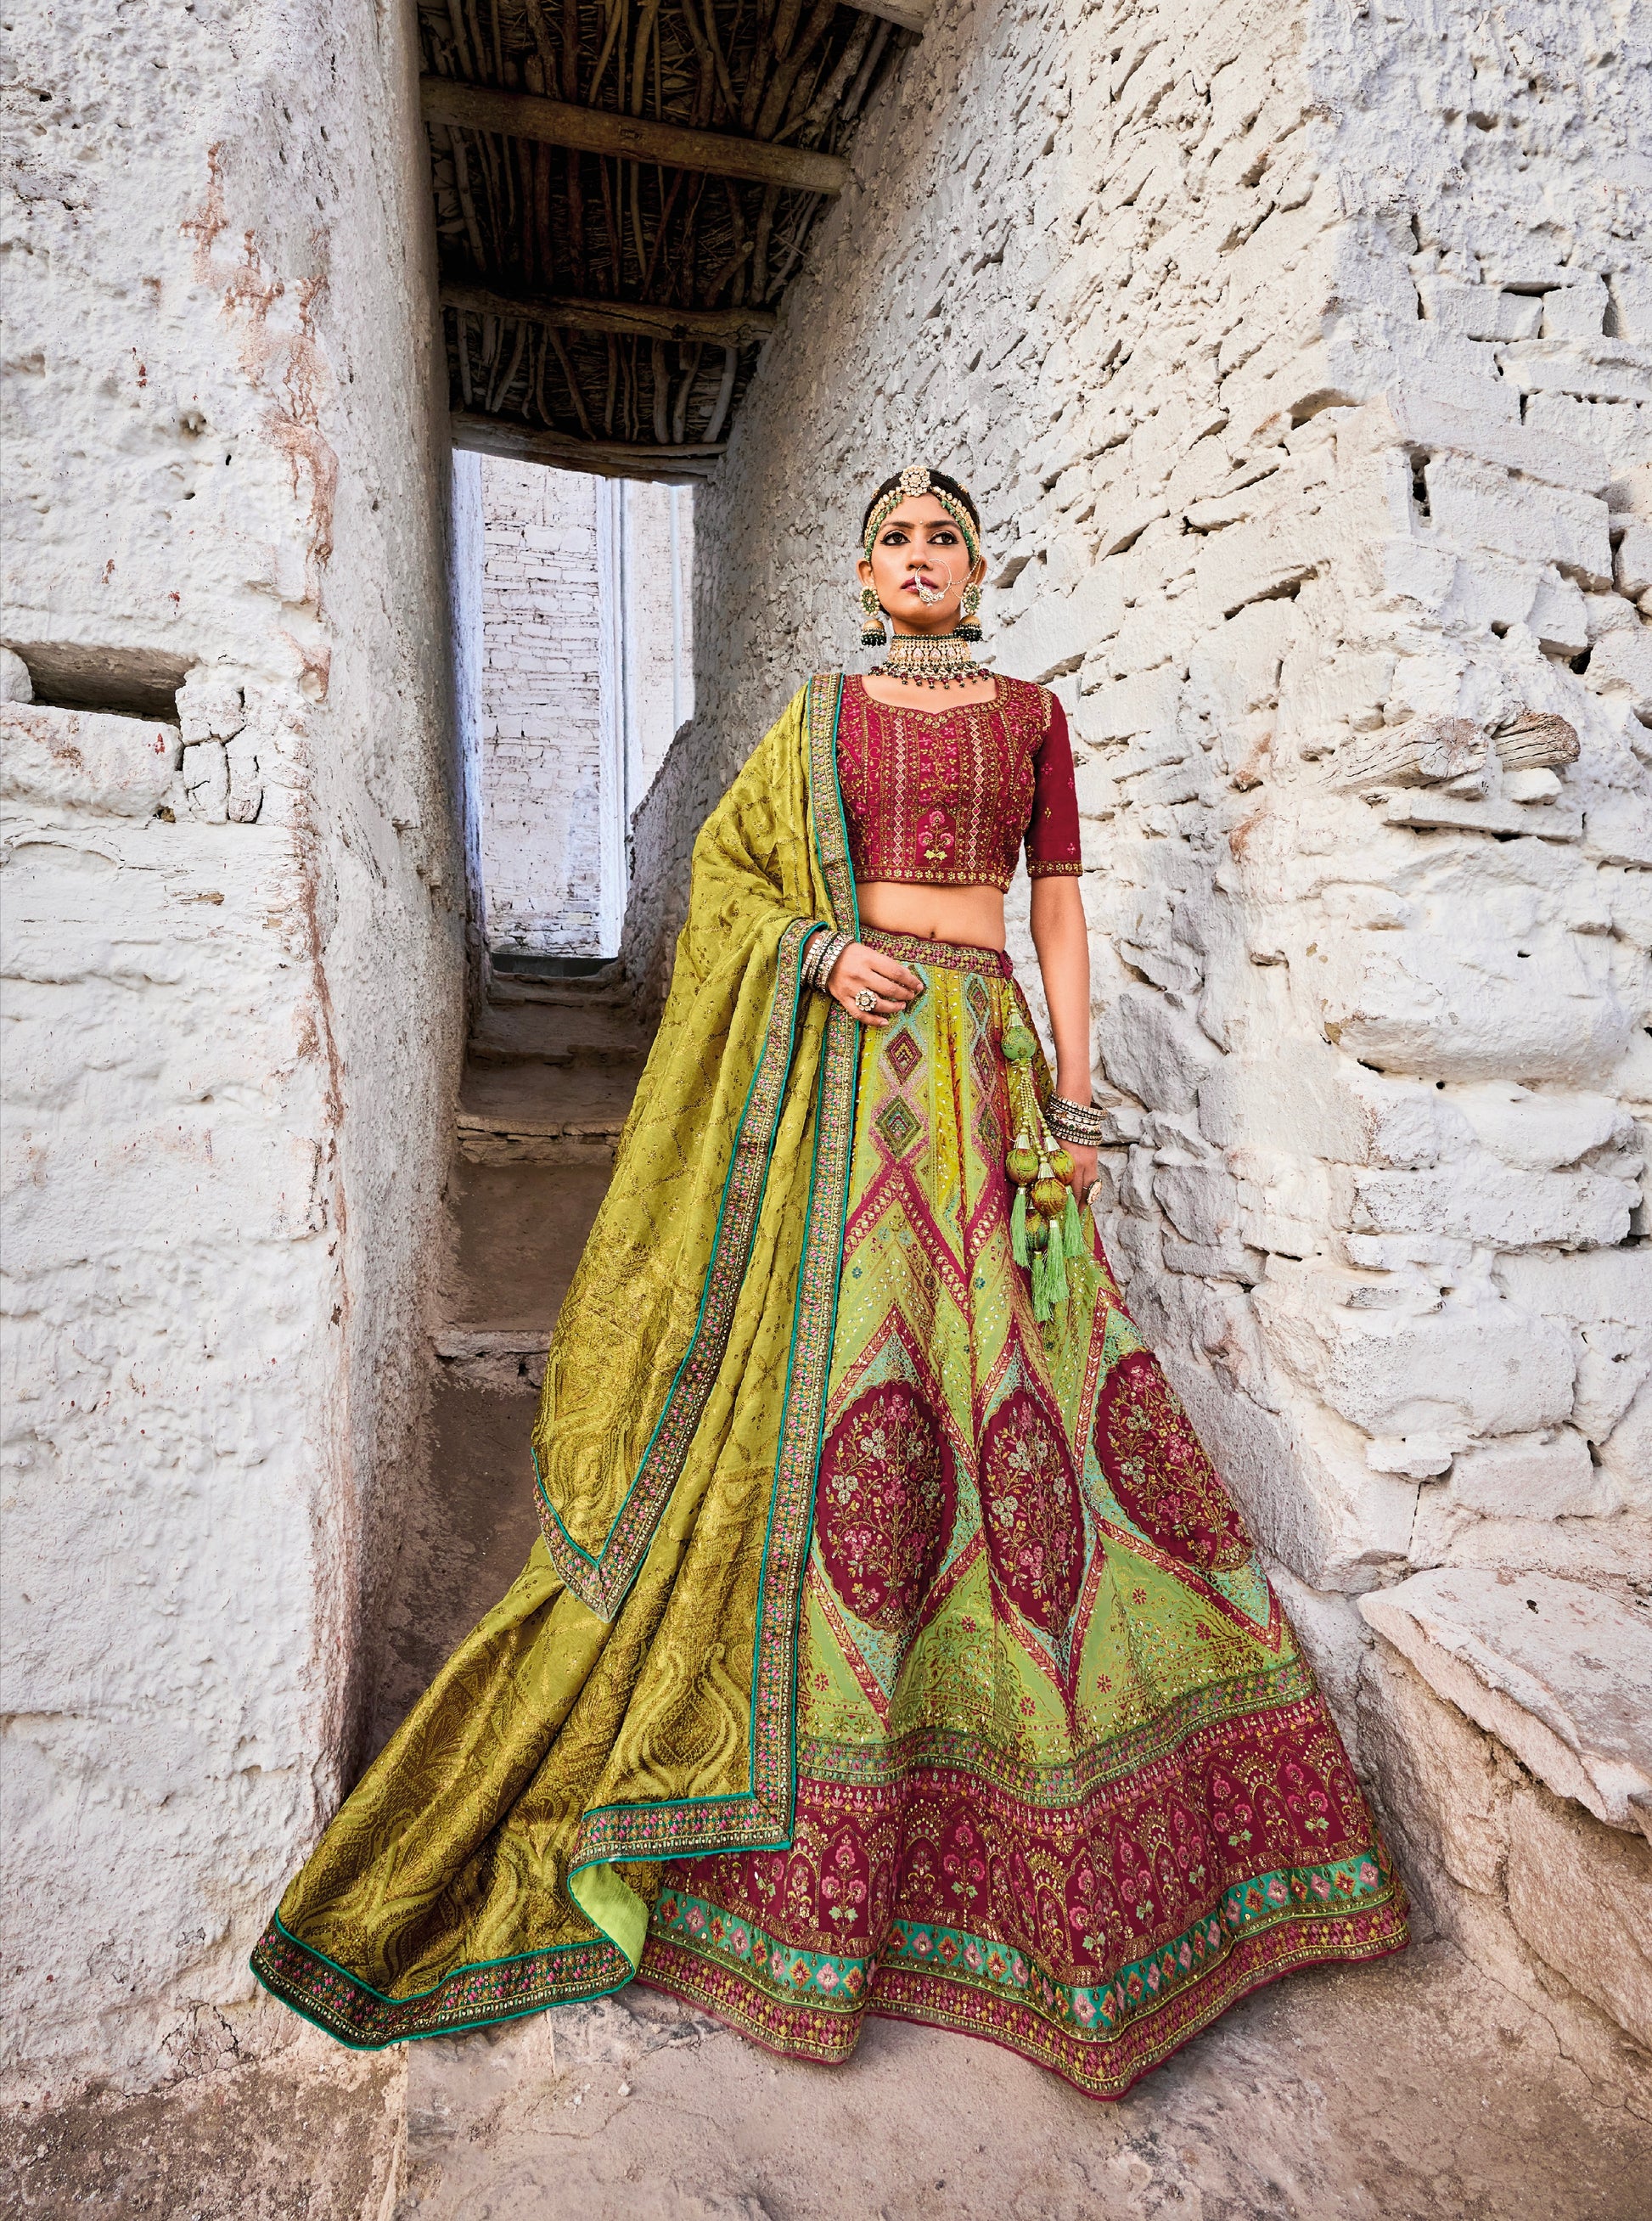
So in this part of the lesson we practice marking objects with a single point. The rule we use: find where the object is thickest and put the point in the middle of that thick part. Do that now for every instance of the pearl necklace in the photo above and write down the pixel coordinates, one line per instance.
(931, 659)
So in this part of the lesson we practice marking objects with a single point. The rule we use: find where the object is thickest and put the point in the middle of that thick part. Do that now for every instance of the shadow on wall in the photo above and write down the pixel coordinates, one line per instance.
(663, 833)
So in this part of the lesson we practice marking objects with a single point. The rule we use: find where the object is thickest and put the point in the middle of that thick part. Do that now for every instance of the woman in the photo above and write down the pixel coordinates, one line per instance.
(890, 1645)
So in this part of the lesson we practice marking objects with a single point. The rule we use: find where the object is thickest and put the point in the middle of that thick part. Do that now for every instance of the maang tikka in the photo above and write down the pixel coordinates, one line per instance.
(872, 619)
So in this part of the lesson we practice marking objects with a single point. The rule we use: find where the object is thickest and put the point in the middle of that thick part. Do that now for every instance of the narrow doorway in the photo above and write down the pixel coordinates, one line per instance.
(579, 664)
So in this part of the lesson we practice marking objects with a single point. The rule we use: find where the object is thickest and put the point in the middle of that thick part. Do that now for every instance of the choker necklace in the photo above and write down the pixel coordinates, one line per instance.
(931, 659)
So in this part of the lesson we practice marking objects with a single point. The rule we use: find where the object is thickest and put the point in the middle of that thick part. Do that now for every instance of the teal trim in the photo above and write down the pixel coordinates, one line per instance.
(847, 876)
(736, 1796)
(457, 2028)
(792, 1349)
(705, 1286)
(453, 2028)
(470, 1967)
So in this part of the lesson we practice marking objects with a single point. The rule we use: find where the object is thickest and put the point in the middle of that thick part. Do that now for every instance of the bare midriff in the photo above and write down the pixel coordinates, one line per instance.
(971, 918)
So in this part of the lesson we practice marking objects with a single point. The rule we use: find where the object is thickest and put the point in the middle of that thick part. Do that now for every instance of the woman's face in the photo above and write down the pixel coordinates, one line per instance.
(920, 565)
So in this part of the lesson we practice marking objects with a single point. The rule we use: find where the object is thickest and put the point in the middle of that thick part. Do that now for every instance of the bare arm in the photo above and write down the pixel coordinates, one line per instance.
(1062, 941)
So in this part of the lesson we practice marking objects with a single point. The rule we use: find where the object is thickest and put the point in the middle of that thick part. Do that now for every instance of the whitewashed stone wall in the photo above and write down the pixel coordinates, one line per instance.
(1301, 359)
(233, 991)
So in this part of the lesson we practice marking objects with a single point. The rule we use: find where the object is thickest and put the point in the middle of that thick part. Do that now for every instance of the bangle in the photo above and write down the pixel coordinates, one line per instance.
(823, 954)
(1080, 1124)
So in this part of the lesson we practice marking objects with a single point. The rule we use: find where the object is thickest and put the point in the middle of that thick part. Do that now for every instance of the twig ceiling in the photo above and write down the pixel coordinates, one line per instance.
(610, 303)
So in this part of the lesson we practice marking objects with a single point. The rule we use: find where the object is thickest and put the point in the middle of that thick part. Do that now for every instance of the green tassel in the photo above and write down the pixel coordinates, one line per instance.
(1042, 1305)
(1018, 1227)
(1073, 1228)
(1055, 1268)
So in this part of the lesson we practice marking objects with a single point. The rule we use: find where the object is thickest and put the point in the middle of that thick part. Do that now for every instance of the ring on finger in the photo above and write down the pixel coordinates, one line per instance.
(866, 1000)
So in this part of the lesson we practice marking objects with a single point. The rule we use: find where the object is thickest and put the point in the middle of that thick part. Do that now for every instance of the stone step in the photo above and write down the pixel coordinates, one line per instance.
(557, 1033)
(532, 1114)
(506, 1360)
(520, 1229)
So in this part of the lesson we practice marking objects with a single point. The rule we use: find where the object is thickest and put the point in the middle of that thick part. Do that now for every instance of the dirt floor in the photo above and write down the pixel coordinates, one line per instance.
(1413, 2090)
(1410, 2091)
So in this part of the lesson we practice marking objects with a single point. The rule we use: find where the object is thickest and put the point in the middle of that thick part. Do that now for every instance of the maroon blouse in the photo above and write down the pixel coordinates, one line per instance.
(946, 796)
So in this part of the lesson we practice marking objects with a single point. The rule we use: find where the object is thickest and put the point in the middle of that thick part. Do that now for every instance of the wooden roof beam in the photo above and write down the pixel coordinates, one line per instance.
(644, 319)
(597, 131)
(609, 459)
(910, 15)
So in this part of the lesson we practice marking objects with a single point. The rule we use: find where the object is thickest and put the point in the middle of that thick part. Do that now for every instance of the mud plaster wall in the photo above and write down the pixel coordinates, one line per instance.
(233, 998)
(1301, 359)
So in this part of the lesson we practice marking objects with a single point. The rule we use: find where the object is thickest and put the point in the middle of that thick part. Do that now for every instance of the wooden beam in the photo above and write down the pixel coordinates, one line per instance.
(647, 320)
(605, 458)
(910, 15)
(595, 131)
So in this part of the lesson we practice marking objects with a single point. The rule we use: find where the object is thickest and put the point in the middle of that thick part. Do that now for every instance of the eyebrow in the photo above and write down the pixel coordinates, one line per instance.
(920, 524)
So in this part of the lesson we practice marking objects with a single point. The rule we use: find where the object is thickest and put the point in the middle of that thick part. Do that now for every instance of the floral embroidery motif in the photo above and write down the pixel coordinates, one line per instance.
(1156, 1467)
(1034, 1528)
(883, 1504)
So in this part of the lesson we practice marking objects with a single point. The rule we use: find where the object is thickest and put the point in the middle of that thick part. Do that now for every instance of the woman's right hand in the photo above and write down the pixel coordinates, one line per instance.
(860, 968)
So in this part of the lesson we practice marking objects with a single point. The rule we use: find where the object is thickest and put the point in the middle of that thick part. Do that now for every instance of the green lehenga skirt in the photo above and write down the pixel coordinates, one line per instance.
(1062, 1777)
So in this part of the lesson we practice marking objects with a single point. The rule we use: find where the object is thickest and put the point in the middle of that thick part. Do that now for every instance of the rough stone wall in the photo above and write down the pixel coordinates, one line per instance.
(540, 733)
(1275, 349)
(1301, 359)
(233, 993)
(1554, 1905)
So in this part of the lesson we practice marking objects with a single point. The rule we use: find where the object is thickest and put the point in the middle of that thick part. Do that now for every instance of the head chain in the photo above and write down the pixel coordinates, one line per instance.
(915, 479)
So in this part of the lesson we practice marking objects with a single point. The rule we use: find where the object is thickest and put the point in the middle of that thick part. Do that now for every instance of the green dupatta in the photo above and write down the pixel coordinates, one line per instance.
(632, 1699)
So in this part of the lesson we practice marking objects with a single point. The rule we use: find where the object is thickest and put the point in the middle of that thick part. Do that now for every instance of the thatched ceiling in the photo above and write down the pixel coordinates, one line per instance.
(623, 189)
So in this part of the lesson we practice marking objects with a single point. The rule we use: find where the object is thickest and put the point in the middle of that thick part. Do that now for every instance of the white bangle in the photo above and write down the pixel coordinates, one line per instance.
(1075, 1123)
(823, 954)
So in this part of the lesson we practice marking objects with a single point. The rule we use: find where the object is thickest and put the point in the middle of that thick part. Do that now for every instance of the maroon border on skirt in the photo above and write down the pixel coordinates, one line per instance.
(946, 955)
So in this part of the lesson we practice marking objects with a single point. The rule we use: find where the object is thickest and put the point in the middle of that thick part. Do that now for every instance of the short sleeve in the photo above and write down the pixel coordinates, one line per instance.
(1052, 835)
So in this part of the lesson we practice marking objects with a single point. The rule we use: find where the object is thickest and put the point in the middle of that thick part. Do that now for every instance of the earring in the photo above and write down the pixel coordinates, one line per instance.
(968, 628)
(872, 625)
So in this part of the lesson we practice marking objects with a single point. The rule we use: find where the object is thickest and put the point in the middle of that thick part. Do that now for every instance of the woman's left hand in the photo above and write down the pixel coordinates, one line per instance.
(1084, 1168)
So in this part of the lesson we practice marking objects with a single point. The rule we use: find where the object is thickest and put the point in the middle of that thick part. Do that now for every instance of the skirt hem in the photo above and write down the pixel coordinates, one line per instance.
(1251, 1971)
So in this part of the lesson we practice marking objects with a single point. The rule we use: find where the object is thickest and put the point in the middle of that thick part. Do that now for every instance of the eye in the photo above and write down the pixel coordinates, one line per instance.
(895, 536)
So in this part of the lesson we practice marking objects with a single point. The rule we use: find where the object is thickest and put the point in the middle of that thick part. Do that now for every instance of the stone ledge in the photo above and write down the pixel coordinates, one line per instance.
(1556, 1671)
(86, 759)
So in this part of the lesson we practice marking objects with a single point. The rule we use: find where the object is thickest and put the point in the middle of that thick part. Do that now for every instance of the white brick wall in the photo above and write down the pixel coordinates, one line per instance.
(541, 737)
(586, 673)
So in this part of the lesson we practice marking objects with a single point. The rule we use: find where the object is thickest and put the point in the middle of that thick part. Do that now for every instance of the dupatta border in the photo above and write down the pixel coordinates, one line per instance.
(482, 1994)
(760, 1817)
(601, 1583)
(488, 1992)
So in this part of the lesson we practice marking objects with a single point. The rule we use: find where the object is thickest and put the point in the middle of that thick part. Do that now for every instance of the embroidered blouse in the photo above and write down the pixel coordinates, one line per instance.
(946, 796)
